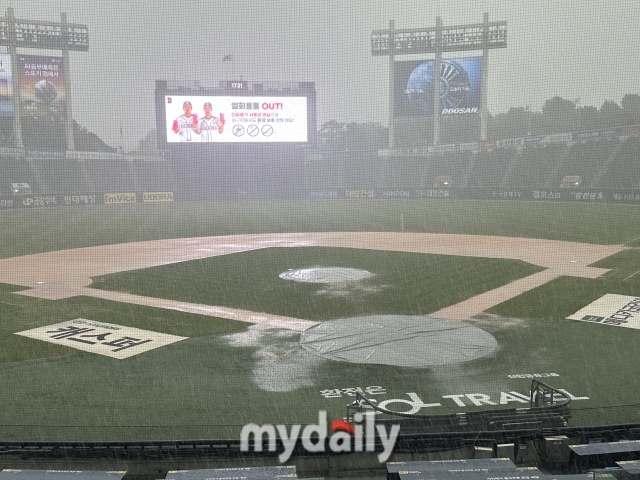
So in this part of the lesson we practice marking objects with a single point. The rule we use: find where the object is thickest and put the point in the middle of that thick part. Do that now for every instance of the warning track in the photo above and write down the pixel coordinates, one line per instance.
(67, 273)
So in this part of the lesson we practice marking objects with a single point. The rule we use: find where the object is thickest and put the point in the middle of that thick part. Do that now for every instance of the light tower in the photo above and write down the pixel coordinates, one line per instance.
(438, 40)
(18, 33)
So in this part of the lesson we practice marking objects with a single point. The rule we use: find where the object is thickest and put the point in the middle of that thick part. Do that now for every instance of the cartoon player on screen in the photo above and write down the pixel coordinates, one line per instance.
(209, 124)
(186, 125)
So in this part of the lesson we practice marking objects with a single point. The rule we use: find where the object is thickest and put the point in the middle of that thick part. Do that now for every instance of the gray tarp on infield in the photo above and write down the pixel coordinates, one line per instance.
(405, 341)
(325, 275)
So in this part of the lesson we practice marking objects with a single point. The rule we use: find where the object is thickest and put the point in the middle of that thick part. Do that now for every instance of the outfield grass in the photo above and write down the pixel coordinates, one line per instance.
(30, 231)
(210, 384)
(566, 295)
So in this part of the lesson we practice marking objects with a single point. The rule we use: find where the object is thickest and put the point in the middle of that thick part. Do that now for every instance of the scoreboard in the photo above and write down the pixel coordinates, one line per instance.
(235, 113)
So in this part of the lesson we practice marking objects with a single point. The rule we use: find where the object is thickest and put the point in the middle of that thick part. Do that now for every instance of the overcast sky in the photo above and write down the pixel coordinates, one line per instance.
(576, 49)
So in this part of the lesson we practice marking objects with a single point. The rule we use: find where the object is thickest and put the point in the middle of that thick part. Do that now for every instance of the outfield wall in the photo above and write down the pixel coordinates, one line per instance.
(587, 196)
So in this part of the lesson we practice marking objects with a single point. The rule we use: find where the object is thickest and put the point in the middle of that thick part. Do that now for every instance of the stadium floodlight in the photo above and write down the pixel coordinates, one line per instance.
(20, 33)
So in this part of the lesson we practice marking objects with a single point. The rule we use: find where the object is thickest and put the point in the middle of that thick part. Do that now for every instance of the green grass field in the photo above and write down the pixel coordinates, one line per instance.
(226, 374)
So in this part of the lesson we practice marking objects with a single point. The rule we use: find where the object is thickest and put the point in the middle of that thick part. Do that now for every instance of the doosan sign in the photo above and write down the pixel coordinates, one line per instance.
(345, 437)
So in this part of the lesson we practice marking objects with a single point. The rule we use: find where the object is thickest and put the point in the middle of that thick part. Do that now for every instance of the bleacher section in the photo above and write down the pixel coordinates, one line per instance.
(60, 175)
(586, 160)
(604, 163)
(453, 165)
(624, 170)
(153, 176)
(534, 166)
(16, 170)
(490, 168)
(111, 176)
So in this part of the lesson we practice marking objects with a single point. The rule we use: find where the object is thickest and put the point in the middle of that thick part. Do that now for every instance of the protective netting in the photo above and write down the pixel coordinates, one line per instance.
(405, 341)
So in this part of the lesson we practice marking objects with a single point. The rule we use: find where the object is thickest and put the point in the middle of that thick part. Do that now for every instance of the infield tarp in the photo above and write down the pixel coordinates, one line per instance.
(405, 341)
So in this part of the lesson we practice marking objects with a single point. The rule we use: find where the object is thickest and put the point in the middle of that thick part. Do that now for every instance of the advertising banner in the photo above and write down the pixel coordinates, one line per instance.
(6, 86)
(229, 119)
(42, 86)
(608, 133)
(630, 130)
(469, 146)
(486, 144)
(460, 87)
(93, 155)
(556, 138)
(611, 309)
(155, 197)
(115, 341)
(532, 141)
(511, 142)
(119, 198)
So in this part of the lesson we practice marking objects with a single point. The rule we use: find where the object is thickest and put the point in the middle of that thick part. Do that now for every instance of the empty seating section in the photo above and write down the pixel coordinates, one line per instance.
(110, 175)
(535, 166)
(606, 163)
(586, 160)
(61, 175)
(452, 165)
(16, 170)
(153, 176)
(624, 170)
(490, 168)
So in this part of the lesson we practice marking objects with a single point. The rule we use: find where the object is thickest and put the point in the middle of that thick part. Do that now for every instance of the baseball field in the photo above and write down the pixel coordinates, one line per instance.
(174, 321)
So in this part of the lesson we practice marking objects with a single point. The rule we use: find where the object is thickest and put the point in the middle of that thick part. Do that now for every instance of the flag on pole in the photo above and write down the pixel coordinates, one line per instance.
(227, 58)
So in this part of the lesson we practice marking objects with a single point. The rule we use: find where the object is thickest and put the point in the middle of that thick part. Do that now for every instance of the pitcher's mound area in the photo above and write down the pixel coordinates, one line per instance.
(325, 275)
(404, 341)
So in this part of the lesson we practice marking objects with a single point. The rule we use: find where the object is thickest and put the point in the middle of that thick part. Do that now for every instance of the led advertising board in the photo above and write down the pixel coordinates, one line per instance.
(235, 119)
(460, 87)
(6, 85)
(42, 86)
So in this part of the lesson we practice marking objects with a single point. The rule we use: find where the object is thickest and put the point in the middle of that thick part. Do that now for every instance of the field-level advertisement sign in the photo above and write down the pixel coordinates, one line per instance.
(154, 197)
(611, 309)
(102, 338)
(231, 119)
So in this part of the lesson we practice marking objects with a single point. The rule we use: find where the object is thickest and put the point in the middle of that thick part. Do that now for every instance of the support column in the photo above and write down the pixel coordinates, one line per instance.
(485, 80)
(67, 84)
(436, 82)
(392, 97)
(15, 80)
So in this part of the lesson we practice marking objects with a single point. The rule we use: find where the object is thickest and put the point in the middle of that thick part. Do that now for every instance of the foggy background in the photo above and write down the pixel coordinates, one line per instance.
(584, 51)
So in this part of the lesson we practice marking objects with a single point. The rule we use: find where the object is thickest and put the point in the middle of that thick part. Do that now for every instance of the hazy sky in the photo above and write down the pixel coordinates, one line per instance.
(587, 49)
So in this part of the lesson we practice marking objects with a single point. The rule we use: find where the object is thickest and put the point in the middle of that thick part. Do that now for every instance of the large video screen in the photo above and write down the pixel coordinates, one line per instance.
(42, 89)
(460, 87)
(235, 119)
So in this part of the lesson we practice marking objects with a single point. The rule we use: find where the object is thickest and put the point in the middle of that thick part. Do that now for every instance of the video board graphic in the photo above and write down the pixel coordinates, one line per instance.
(6, 86)
(235, 119)
(42, 89)
(460, 87)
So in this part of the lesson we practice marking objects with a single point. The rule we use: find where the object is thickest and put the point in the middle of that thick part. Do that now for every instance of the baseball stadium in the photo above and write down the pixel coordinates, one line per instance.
(455, 285)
